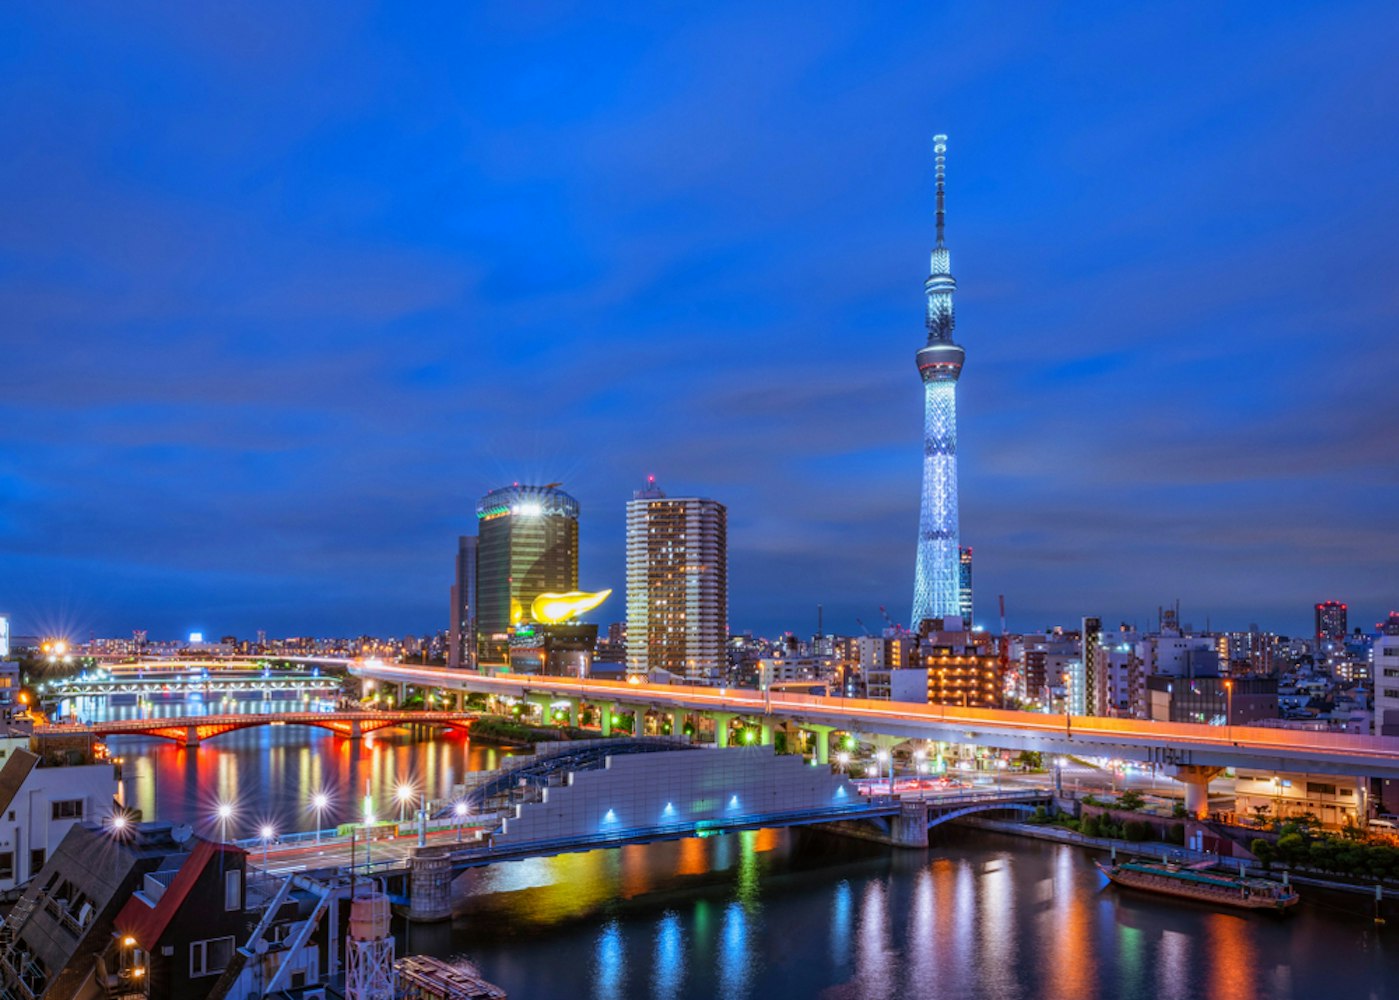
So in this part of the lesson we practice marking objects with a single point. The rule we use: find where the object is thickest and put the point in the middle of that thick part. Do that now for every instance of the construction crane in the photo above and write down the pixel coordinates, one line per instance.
(895, 629)
(862, 627)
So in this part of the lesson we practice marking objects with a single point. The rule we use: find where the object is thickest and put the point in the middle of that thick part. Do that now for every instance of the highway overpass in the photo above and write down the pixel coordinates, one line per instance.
(1188, 747)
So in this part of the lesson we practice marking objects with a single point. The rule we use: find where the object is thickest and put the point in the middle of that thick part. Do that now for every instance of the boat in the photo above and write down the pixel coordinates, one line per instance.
(1197, 882)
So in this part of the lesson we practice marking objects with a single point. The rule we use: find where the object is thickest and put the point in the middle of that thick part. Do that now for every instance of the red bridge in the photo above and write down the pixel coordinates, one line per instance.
(190, 731)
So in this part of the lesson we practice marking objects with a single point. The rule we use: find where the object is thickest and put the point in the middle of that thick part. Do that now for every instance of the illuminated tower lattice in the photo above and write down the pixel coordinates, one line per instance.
(937, 581)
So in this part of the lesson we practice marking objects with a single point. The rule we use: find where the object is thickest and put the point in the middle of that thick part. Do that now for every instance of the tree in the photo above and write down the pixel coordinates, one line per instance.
(1260, 813)
(1135, 830)
(1131, 800)
(1031, 760)
(1292, 847)
(1264, 851)
(1091, 827)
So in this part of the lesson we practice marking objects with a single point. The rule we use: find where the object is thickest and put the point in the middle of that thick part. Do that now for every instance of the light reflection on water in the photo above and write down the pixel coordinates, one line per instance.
(271, 773)
(798, 914)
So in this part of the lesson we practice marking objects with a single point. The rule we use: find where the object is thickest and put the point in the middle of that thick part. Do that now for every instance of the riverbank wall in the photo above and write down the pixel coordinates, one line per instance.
(1389, 891)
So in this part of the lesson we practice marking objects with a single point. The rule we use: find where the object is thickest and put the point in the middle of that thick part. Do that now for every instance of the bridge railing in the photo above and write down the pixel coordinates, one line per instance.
(502, 847)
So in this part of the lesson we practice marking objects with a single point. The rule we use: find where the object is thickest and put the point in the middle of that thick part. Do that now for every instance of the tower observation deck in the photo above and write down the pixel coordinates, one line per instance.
(937, 574)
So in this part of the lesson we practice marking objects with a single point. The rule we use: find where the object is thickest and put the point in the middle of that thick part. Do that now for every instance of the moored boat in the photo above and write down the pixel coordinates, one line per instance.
(1195, 882)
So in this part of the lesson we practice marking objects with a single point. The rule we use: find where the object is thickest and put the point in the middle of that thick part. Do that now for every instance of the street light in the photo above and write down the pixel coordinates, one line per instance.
(224, 813)
(267, 834)
(368, 824)
(460, 812)
(843, 759)
(1229, 710)
(404, 794)
(319, 803)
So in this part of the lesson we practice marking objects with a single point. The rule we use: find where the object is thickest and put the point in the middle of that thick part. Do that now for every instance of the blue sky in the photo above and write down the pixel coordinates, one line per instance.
(285, 288)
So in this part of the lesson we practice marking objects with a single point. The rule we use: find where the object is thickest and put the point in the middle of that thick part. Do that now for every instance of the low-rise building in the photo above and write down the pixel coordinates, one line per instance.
(42, 795)
(1335, 801)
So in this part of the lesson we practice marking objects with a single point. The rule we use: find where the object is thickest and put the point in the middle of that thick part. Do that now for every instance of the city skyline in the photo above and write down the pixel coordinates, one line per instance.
(261, 368)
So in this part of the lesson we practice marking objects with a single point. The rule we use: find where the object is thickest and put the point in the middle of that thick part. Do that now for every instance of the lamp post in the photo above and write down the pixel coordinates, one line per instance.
(404, 793)
(319, 802)
(368, 823)
(267, 834)
(460, 812)
(224, 812)
(1229, 710)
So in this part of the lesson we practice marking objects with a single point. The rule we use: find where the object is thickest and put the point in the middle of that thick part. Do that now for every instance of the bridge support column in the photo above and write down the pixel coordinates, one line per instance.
(1196, 779)
(823, 743)
(673, 717)
(191, 737)
(356, 731)
(573, 707)
(606, 712)
(721, 728)
(910, 827)
(430, 887)
(765, 731)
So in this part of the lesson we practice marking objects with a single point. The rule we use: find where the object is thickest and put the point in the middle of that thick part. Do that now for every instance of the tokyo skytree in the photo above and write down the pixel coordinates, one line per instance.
(936, 580)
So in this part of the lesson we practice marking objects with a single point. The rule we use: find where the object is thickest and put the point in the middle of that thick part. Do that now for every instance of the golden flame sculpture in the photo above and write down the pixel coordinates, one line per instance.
(551, 609)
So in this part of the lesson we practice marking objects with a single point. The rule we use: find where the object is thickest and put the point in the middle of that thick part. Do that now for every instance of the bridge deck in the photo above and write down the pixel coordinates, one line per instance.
(393, 856)
(190, 730)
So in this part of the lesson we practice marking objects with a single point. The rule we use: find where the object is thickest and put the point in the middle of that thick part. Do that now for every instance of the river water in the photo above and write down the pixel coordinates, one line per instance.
(785, 914)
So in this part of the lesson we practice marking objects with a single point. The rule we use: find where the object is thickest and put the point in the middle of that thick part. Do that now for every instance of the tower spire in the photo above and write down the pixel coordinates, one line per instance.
(937, 578)
(939, 160)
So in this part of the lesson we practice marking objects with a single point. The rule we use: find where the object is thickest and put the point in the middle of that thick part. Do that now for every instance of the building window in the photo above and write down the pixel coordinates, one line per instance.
(68, 809)
(209, 958)
(233, 890)
(7, 864)
(36, 860)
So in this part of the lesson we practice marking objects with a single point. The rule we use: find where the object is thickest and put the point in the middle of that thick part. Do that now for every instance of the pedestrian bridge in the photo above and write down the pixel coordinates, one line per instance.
(191, 730)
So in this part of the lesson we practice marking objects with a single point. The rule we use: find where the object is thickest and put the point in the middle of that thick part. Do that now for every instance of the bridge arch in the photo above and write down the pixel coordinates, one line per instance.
(938, 819)
(190, 731)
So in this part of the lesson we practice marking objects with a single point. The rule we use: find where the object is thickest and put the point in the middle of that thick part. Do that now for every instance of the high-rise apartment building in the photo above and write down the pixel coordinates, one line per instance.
(461, 647)
(937, 575)
(1094, 700)
(677, 585)
(964, 583)
(527, 545)
(1330, 621)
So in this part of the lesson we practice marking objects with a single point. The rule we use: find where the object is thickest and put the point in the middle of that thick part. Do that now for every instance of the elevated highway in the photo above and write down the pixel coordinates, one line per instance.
(1192, 749)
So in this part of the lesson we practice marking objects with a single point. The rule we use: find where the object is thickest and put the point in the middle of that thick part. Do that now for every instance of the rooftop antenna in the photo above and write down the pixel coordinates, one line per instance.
(939, 160)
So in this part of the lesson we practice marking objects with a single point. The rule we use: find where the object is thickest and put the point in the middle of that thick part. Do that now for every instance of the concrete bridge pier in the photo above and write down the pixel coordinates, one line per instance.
(1196, 779)
(910, 827)
(191, 737)
(721, 728)
(765, 731)
(356, 730)
(430, 887)
(823, 742)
